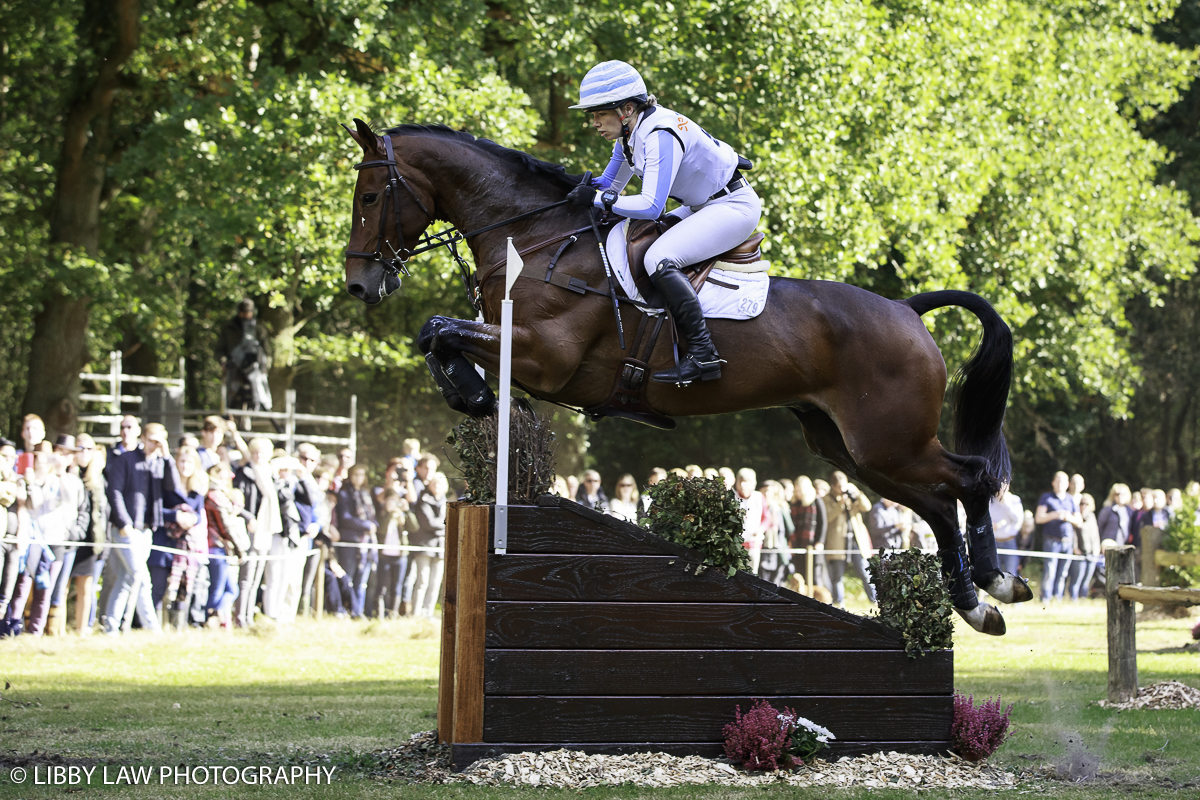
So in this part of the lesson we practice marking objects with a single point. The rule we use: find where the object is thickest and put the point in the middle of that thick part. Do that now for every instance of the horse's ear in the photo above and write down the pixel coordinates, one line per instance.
(365, 137)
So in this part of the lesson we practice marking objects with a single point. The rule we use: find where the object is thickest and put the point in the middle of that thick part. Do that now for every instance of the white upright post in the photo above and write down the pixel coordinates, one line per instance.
(504, 419)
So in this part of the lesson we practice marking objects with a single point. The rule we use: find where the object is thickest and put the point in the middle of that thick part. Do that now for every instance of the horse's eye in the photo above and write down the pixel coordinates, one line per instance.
(368, 199)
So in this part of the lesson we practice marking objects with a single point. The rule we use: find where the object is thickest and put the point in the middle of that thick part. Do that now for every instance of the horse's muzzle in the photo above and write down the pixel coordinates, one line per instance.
(371, 283)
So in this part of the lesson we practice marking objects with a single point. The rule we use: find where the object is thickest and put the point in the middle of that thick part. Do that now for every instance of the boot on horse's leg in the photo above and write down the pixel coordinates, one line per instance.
(957, 570)
(701, 362)
(480, 399)
(985, 567)
(449, 393)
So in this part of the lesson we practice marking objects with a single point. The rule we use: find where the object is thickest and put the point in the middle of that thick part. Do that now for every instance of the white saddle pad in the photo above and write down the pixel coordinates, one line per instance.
(743, 297)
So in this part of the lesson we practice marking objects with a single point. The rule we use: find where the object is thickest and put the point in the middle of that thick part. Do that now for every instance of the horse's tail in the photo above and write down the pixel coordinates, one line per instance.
(980, 389)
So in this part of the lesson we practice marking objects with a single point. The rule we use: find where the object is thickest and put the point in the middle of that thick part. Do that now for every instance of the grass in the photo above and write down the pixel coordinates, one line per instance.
(329, 693)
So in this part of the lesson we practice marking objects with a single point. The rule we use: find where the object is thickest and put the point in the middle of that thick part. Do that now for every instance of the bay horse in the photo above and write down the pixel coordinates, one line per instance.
(861, 373)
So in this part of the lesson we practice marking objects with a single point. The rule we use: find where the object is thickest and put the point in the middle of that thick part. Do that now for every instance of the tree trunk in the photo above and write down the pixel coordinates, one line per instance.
(58, 350)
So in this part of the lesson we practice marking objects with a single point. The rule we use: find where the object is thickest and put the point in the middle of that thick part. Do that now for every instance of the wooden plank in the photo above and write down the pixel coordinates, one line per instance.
(677, 626)
(1122, 625)
(717, 672)
(473, 543)
(1164, 559)
(463, 755)
(1154, 595)
(445, 706)
(626, 579)
(702, 719)
(533, 529)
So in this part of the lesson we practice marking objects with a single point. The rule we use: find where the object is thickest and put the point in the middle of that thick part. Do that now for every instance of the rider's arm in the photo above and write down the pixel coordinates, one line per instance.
(663, 156)
(616, 174)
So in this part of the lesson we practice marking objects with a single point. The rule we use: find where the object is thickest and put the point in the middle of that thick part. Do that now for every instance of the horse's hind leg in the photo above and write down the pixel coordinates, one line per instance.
(985, 560)
(934, 501)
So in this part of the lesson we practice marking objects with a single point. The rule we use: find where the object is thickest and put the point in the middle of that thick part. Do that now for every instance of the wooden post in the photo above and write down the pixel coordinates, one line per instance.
(1151, 542)
(470, 616)
(1122, 625)
(445, 706)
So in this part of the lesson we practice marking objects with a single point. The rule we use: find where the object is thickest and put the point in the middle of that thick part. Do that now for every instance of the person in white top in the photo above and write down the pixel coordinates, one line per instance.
(752, 501)
(624, 504)
(675, 159)
(1007, 517)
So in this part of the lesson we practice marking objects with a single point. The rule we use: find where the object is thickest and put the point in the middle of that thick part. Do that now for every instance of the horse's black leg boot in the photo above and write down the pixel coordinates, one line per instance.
(957, 570)
(449, 393)
(701, 361)
(480, 400)
(985, 566)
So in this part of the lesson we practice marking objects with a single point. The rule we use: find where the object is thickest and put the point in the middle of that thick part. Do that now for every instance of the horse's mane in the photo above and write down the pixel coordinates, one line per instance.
(555, 173)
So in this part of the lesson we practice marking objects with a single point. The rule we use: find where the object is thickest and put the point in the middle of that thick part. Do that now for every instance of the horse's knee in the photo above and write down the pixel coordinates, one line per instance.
(429, 333)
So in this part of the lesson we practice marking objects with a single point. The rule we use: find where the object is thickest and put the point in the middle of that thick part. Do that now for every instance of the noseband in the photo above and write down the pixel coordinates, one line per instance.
(448, 238)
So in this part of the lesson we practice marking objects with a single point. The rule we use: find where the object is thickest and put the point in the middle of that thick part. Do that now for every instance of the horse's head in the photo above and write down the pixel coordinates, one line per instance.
(388, 216)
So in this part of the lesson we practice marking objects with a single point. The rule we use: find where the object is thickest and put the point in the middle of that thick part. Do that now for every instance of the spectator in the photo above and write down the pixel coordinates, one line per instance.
(425, 579)
(410, 453)
(244, 352)
(822, 488)
(656, 474)
(90, 461)
(789, 489)
(886, 526)
(188, 531)
(1081, 572)
(256, 482)
(694, 471)
(559, 487)
(625, 504)
(591, 493)
(281, 584)
(427, 464)
(846, 532)
(212, 434)
(357, 525)
(1174, 502)
(345, 460)
(808, 516)
(228, 541)
(754, 526)
(1007, 517)
(314, 517)
(14, 536)
(727, 475)
(1059, 517)
(140, 475)
(711, 473)
(1075, 487)
(775, 564)
(33, 432)
(74, 498)
(1114, 518)
(397, 521)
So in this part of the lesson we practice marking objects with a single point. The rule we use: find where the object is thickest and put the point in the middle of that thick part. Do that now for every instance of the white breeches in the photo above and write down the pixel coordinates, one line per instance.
(709, 230)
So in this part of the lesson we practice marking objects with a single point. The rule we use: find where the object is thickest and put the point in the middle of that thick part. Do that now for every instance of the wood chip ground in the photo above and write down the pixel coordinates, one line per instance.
(1162, 695)
(422, 760)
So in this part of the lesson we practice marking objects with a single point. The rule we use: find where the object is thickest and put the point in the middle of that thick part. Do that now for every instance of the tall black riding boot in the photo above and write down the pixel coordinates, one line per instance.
(701, 361)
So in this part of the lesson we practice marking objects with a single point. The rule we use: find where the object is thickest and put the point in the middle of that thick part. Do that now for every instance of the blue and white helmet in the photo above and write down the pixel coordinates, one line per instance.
(609, 84)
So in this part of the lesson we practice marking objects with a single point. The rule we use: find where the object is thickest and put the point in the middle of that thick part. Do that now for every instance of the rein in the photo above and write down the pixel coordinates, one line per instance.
(448, 238)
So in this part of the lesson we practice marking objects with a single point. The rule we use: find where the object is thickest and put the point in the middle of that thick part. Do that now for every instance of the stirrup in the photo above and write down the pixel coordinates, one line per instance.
(689, 370)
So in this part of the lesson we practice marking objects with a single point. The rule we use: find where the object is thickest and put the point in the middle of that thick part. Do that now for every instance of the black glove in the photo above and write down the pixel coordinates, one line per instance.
(581, 195)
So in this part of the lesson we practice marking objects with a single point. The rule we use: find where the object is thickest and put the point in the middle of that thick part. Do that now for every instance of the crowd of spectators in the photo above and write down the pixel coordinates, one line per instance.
(221, 532)
(218, 532)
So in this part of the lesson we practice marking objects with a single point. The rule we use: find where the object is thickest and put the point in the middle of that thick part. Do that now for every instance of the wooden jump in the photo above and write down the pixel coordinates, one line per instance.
(593, 634)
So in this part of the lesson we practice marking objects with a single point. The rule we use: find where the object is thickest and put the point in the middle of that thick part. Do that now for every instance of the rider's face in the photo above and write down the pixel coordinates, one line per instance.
(607, 124)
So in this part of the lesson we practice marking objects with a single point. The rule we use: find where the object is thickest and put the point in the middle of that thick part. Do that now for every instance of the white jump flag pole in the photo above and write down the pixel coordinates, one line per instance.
(504, 419)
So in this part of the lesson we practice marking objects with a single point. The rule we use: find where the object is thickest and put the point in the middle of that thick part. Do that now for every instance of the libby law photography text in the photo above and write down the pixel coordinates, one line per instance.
(62, 775)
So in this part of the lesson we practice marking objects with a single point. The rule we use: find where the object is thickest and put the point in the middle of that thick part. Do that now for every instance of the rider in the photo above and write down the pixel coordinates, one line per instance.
(674, 157)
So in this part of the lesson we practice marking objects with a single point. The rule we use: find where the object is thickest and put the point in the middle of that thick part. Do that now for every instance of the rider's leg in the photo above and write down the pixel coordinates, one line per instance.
(714, 228)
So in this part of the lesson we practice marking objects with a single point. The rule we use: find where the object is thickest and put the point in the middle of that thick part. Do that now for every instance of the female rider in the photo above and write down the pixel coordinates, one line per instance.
(676, 158)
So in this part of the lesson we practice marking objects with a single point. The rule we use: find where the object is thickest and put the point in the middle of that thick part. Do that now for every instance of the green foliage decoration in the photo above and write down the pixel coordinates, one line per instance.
(913, 599)
(1182, 536)
(530, 461)
(702, 514)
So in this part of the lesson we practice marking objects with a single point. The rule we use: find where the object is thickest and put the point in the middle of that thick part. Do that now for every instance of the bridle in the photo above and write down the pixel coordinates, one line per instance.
(449, 238)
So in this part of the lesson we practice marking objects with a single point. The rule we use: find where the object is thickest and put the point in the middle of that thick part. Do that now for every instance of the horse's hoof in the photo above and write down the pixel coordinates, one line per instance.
(482, 404)
(985, 619)
(1009, 588)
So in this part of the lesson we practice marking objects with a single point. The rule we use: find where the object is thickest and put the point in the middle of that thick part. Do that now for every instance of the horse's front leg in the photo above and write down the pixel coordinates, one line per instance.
(444, 341)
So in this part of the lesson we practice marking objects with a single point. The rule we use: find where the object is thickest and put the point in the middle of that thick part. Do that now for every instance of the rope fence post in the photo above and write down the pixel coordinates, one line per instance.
(1122, 625)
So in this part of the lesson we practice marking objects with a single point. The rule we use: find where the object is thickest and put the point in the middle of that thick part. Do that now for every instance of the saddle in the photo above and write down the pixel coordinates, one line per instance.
(643, 233)
(628, 396)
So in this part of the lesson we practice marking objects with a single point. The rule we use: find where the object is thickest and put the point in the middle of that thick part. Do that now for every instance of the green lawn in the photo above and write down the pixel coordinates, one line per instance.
(329, 693)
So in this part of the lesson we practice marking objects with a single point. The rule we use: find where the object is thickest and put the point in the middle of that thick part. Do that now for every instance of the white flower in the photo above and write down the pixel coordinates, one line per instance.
(815, 728)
